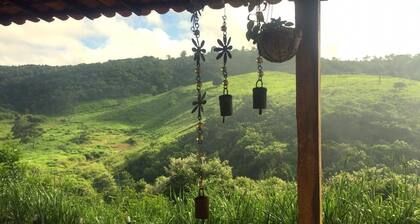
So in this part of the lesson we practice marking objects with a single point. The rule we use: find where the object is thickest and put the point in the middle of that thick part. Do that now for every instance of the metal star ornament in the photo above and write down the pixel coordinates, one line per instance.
(224, 49)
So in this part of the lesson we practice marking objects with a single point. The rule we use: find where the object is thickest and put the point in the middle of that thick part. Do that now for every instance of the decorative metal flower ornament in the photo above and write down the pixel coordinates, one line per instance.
(224, 49)
(198, 51)
(198, 104)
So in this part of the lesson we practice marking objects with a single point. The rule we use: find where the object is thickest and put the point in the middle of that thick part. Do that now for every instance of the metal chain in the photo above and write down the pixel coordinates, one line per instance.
(224, 70)
(199, 128)
(260, 71)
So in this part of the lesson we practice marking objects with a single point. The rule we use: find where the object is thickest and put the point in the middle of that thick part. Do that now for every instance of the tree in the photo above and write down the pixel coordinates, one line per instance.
(26, 128)
(183, 54)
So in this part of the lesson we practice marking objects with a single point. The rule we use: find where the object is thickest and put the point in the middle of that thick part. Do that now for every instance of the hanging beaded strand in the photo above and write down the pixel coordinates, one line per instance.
(201, 201)
(224, 50)
(260, 70)
(259, 93)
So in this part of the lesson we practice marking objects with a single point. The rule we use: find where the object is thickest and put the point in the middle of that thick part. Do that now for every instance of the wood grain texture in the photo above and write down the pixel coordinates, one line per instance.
(309, 172)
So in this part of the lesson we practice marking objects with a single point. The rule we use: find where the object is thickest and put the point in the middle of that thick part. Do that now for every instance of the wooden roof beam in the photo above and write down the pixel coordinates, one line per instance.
(31, 10)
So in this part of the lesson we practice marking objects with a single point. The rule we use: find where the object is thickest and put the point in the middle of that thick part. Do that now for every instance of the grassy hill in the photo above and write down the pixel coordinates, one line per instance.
(118, 128)
(102, 145)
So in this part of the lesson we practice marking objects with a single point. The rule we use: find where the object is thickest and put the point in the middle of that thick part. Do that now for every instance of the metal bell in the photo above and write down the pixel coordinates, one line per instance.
(225, 103)
(259, 97)
(201, 205)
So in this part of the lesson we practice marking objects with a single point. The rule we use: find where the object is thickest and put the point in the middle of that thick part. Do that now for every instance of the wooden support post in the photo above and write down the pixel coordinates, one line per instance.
(307, 13)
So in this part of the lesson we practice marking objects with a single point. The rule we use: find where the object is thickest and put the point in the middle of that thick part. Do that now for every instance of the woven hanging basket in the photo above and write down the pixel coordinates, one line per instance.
(279, 44)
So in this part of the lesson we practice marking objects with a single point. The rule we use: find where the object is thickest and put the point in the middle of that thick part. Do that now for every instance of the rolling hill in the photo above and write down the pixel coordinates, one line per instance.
(110, 160)
(360, 114)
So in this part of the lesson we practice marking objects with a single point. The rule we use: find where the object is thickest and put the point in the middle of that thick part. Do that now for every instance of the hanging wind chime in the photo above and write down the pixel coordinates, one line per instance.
(277, 41)
(224, 51)
(201, 201)
(259, 93)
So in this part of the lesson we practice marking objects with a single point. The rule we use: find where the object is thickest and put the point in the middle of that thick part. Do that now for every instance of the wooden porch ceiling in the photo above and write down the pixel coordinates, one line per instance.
(19, 11)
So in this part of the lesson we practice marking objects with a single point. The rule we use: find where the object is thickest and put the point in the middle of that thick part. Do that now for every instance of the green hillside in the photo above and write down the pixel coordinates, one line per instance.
(107, 159)
(57, 89)
(124, 127)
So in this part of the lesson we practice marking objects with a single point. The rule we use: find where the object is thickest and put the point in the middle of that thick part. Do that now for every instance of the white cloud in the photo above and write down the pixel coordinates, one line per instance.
(60, 42)
(154, 19)
(350, 29)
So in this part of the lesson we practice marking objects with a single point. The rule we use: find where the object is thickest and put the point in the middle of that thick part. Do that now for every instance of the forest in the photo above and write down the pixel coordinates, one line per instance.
(57, 89)
(114, 142)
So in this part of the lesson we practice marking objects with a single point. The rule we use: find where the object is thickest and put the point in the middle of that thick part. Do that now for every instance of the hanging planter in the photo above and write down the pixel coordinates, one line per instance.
(277, 41)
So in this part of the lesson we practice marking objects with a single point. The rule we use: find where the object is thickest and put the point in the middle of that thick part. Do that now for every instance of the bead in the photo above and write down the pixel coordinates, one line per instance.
(196, 32)
(224, 28)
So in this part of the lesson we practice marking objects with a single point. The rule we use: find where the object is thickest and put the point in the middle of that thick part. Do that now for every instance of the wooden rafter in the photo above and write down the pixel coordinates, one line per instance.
(134, 7)
(18, 11)
(30, 10)
(82, 9)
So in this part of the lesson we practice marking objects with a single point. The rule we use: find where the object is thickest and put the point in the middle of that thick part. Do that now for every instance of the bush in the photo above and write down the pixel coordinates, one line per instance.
(182, 174)
(82, 138)
(103, 183)
(95, 154)
(130, 141)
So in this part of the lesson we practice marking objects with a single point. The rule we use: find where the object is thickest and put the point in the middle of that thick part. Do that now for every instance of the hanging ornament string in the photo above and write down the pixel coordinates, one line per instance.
(260, 72)
(259, 92)
(224, 51)
(201, 202)
(200, 101)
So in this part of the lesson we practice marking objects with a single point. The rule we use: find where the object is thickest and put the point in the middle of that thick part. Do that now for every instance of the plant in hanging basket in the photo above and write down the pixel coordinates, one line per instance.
(277, 41)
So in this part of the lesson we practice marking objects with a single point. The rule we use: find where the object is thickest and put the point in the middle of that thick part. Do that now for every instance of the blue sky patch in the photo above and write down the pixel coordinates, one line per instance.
(138, 22)
(94, 42)
(171, 24)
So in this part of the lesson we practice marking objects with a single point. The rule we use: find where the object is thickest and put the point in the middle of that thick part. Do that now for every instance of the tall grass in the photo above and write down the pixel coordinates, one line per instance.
(365, 197)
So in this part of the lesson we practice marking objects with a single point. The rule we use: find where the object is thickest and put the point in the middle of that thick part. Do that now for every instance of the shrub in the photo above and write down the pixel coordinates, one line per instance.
(103, 183)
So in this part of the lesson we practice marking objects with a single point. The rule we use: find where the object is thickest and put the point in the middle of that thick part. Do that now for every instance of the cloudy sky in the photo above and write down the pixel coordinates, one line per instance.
(350, 29)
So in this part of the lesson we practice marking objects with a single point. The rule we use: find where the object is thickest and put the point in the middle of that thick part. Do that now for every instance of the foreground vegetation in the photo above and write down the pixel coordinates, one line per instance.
(363, 197)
